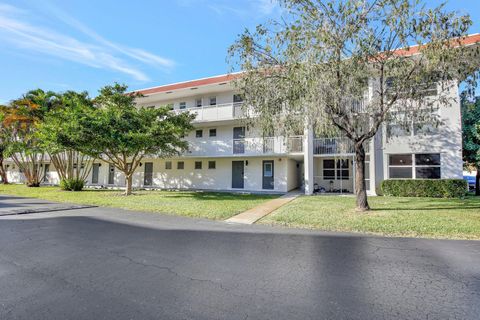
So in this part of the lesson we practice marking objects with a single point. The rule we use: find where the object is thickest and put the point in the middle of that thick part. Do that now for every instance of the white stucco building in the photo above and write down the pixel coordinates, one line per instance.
(226, 154)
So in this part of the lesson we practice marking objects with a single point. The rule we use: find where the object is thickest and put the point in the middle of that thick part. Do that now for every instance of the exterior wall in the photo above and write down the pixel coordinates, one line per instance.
(447, 141)
(292, 174)
(219, 178)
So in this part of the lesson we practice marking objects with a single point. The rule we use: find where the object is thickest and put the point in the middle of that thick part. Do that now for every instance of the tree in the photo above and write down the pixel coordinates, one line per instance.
(62, 136)
(471, 138)
(3, 142)
(20, 120)
(348, 66)
(122, 133)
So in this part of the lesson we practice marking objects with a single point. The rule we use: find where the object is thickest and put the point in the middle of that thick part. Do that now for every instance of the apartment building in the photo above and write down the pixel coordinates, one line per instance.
(227, 154)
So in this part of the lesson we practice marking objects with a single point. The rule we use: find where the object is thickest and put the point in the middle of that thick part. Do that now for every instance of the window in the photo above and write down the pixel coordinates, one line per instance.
(267, 169)
(212, 164)
(329, 169)
(237, 98)
(213, 101)
(212, 132)
(198, 103)
(343, 172)
(400, 166)
(180, 165)
(198, 165)
(183, 105)
(199, 133)
(168, 165)
(427, 166)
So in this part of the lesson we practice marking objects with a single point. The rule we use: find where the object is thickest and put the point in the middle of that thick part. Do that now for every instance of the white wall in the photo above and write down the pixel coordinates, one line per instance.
(447, 142)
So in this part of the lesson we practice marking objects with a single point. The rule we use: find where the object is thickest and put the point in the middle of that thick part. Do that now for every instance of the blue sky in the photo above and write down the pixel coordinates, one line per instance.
(83, 45)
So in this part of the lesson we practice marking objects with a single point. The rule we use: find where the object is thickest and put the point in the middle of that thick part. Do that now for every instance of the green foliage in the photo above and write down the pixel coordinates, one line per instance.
(122, 133)
(471, 133)
(443, 188)
(72, 184)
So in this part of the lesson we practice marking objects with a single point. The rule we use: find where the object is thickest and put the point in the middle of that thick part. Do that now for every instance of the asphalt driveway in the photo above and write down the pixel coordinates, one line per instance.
(112, 264)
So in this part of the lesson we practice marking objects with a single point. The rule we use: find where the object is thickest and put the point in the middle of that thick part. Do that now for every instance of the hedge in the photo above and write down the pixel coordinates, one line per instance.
(442, 188)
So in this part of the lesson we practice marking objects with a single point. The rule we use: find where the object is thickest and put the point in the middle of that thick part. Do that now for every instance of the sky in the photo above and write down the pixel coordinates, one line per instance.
(83, 45)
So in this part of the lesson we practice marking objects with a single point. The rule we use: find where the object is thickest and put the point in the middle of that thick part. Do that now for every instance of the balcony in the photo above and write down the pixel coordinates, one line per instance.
(326, 146)
(218, 112)
(246, 146)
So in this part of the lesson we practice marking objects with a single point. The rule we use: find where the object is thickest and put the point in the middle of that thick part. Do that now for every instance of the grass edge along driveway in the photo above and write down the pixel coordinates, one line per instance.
(400, 217)
(196, 204)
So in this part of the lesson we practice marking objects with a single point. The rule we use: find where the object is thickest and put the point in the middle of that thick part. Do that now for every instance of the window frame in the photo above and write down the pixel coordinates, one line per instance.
(413, 165)
(198, 133)
(180, 165)
(200, 166)
(182, 105)
(168, 165)
(212, 98)
(210, 132)
(210, 167)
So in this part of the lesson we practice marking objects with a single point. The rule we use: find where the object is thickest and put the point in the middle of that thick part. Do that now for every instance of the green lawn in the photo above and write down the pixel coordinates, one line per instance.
(211, 205)
(406, 217)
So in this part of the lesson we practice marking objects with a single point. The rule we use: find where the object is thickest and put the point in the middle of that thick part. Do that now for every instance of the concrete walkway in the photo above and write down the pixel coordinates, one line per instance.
(253, 215)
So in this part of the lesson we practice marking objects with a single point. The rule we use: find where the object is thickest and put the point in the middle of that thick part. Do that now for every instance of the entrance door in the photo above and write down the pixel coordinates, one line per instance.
(95, 170)
(148, 176)
(268, 174)
(111, 174)
(238, 174)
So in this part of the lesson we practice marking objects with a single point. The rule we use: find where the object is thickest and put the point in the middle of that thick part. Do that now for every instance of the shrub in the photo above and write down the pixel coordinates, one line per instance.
(72, 184)
(444, 188)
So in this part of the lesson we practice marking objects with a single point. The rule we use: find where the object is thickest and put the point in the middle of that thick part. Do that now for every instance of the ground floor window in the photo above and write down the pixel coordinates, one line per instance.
(414, 166)
(336, 169)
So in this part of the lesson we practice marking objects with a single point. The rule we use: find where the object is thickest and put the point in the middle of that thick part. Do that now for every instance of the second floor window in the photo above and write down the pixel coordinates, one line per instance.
(213, 101)
(183, 105)
(198, 103)
(237, 98)
(180, 165)
(198, 133)
(212, 132)
(198, 165)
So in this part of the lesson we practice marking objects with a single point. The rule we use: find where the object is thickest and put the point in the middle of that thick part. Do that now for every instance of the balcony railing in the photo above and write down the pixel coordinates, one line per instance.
(335, 146)
(225, 111)
(246, 146)
(295, 144)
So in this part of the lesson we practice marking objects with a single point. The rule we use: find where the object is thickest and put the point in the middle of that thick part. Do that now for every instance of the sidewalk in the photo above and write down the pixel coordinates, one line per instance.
(253, 215)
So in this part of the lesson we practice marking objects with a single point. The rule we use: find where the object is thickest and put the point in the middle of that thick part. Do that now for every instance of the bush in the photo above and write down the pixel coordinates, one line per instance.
(72, 184)
(444, 188)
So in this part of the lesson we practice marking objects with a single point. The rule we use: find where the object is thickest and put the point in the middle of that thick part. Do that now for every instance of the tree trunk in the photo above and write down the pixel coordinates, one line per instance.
(360, 186)
(3, 172)
(477, 182)
(128, 187)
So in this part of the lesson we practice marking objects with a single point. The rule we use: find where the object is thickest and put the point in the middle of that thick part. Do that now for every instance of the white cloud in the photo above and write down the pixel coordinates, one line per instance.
(98, 53)
(243, 9)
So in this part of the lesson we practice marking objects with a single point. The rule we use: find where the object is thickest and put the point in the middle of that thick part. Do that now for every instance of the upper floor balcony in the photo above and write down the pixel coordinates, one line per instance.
(246, 146)
(216, 112)
(335, 146)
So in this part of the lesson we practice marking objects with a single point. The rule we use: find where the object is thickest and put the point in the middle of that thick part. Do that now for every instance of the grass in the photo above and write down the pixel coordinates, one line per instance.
(405, 217)
(211, 205)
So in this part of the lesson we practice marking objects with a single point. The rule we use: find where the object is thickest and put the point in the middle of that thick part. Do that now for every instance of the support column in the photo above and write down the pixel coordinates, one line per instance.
(372, 163)
(308, 159)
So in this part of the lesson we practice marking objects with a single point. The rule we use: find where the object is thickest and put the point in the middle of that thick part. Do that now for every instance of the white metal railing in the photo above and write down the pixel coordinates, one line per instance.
(340, 145)
(295, 144)
(247, 146)
(225, 111)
